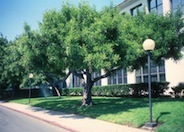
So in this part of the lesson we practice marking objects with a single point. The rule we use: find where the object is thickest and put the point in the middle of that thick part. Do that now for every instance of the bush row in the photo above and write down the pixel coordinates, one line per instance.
(136, 90)
(24, 93)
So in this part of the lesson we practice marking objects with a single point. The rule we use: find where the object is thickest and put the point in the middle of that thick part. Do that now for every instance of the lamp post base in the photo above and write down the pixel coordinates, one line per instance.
(150, 125)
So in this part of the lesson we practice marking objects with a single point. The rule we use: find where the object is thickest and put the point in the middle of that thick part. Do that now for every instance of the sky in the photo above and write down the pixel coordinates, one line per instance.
(14, 13)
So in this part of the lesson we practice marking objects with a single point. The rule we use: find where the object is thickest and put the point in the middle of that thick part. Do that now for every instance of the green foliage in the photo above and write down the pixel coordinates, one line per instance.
(157, 88)
(19, 60)
(3, 44)
(72, 91)
(165, 30)
(3, 47)
(87, 42)
(111, 91)
(136, 90)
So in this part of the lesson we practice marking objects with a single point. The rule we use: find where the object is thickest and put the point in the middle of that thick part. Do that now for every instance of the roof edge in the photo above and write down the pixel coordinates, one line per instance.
(125, 3)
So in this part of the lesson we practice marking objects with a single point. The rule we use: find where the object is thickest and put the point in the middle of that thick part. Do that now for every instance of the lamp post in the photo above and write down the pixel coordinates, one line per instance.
(148, 46)
(30, 77)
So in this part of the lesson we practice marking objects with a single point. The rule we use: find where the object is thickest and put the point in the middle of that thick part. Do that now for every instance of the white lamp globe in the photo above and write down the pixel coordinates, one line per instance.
(148, 45)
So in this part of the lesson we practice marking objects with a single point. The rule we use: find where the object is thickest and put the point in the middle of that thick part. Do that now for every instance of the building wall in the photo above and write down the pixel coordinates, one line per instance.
(130, 4)
(127, 6)
(131, 77)
(104, 80)
(166, 6)
(174, 71)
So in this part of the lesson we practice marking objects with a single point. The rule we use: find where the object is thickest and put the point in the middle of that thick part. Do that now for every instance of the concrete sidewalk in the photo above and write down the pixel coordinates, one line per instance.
(71, 122)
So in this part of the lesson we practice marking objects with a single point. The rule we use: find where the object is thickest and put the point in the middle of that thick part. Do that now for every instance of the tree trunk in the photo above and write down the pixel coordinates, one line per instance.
(57, 91)
(87, 97)
(54, 83)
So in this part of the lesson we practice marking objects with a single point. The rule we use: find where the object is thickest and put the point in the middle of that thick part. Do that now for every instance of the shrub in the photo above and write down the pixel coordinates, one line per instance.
(141, 89)
(136, 90)
(111, 90)
(72, 91)
(158, 88)
(178, 89)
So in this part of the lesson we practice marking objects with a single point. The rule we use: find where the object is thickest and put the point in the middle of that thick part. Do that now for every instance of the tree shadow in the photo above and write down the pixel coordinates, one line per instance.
(168, 99)
(102, 106)
(162, 114)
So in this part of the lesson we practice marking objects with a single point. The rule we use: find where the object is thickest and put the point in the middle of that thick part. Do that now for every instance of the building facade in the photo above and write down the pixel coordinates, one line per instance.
(168, 70)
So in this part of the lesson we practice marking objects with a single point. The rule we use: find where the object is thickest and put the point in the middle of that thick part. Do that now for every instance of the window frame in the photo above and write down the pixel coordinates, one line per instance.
(136, 9)
(178, 5)
(115, 77)
(77, 82)
(158, 72)
(95, 74)
(156, 7)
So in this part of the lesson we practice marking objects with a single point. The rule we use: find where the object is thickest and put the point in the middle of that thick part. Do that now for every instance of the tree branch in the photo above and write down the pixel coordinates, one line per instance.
(108, 73)
(79, 74)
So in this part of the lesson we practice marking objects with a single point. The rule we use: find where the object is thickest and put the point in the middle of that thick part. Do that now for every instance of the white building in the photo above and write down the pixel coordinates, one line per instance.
(169, 70)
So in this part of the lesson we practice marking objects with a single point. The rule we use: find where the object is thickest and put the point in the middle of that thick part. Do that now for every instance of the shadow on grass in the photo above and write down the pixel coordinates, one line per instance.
(162, 114)
(167, 99)
(102, 106)
(133, 111)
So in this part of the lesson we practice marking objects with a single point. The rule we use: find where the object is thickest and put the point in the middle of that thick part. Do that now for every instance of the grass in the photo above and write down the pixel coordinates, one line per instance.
(133, 112)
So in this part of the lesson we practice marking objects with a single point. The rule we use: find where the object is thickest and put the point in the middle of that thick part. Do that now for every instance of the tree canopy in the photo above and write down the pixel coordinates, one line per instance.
(3, 44)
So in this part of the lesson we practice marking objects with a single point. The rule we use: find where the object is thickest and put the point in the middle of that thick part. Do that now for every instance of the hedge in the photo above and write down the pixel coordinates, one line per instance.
(24, 93)
(141, 89)
(111, 90)
(136, 90)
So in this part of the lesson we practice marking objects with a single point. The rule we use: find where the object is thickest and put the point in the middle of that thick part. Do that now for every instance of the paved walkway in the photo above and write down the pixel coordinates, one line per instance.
(71, 122)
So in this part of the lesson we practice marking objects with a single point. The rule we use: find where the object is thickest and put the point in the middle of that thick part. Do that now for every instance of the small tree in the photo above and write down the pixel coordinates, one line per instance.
(3, 44)
(178, 89)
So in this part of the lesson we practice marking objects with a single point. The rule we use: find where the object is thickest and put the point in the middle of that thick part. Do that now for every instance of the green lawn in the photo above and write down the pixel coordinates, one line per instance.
(128, 111)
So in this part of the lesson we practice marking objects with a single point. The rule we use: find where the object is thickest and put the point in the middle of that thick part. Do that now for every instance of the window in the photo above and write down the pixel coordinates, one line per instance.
(136, 9)
(155, 6)
(119, 77)
(157, 73)
(177, 4)
(96, 74)
(77, 82)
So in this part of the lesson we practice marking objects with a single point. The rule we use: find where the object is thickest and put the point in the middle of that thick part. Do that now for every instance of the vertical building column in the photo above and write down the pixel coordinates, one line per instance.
(131, 77)
(145, 5)
(166, 6)
(104, 81)
(69, 81)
